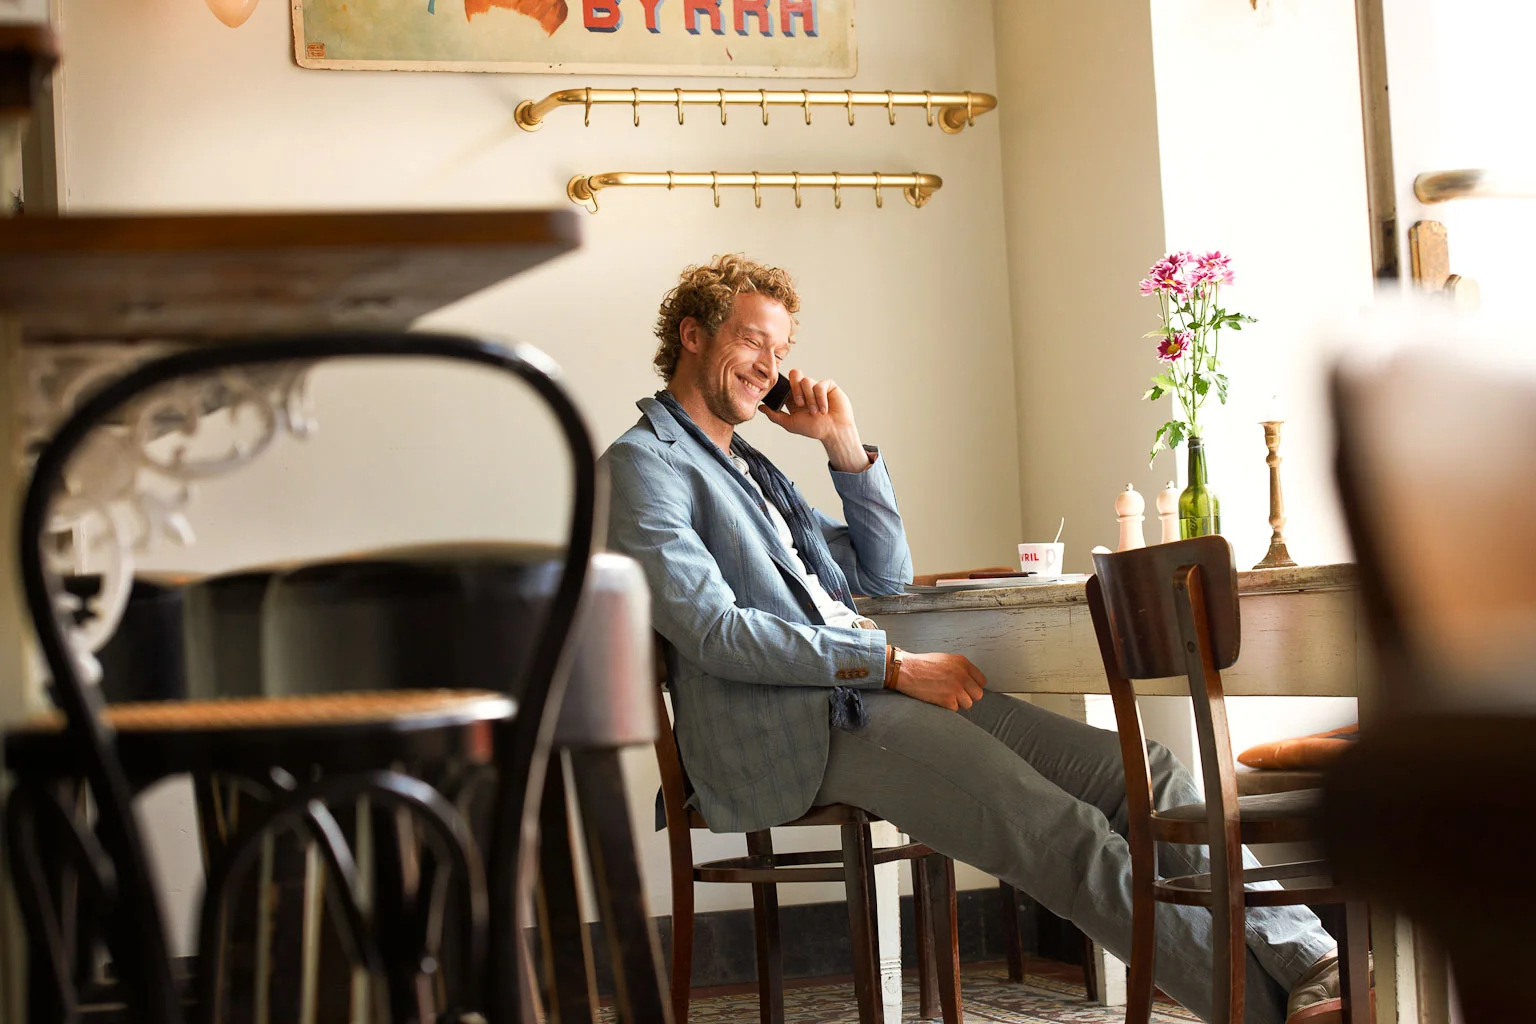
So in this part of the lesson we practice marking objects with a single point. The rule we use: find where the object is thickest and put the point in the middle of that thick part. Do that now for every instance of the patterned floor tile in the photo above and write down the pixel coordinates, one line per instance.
(986, 994)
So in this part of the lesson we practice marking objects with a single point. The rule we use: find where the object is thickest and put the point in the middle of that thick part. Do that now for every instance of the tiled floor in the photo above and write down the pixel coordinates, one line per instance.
(1050, 994)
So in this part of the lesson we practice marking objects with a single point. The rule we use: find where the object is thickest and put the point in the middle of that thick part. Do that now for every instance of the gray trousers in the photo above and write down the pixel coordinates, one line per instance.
(1038, 800)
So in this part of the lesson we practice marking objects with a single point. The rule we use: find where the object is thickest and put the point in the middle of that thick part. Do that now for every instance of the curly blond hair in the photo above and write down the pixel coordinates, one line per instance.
(708, 293)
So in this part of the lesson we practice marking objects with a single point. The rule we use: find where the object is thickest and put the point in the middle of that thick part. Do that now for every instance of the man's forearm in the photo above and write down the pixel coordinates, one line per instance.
(845, 451)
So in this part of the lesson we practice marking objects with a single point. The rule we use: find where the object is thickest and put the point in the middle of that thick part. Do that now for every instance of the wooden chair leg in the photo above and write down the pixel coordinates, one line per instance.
(570, 991)
(1091, 978)
(1139, 983)
(1355, 964)
(943, 921)
(927, 962)
(682, 928)
(858, 860)
(1012, 935)
(1229, 948)
(633, 948)
(765, 919)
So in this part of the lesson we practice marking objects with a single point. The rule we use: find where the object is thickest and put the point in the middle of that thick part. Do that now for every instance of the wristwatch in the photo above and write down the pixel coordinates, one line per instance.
(893, 667)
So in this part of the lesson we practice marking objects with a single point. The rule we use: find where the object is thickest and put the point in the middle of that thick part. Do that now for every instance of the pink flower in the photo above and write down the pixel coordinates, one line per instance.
(1148, 287)
(1171, 350)
(1215, 266)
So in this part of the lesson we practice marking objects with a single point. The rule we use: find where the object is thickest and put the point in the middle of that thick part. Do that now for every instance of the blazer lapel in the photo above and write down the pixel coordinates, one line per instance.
(668, 429)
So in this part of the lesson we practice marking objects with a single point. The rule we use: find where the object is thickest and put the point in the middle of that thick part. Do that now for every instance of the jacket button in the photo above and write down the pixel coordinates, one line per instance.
(863, 672)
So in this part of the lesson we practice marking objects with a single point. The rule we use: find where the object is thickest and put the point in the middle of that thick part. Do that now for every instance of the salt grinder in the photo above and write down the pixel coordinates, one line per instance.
(1168, 512)
(1128, 509)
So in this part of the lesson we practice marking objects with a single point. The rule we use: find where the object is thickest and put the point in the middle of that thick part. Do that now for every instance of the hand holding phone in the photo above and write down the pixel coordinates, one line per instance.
(778, 395)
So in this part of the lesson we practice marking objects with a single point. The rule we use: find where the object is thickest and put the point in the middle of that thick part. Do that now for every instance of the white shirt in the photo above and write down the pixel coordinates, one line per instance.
(833, 612)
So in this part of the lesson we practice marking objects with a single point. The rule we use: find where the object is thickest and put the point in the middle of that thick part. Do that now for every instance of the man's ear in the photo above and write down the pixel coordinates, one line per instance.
(692, 335)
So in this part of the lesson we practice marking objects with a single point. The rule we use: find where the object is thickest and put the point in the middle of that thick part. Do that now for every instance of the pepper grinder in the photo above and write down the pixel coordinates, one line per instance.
(1168, 512)
(1128, 509)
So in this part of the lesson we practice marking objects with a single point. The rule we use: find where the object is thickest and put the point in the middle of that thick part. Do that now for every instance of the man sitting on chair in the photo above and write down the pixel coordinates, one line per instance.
(786, 698)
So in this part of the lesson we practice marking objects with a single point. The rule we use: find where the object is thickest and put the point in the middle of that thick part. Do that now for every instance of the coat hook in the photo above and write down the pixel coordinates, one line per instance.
(679, 102)
(714, 186)
(837, 191)
(757, 190)
(879, 199)
(890, 106)
(797, 189)
(762, 98)
(722, 105)
(928, 106)
(636, 102)
(848, 102)
(970, 115)
(805, 101)
(586, 118)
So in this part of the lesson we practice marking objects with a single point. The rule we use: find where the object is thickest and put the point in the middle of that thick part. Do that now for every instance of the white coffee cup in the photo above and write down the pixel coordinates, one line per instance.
(1044, 559)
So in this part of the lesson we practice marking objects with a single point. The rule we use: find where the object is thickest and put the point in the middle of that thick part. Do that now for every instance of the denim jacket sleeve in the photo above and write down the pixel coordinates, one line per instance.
(693, 605)
(871, 547)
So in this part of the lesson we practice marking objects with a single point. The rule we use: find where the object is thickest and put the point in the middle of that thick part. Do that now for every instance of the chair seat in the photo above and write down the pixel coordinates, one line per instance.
(1288, 817)
(1307, 881)
(830, 814)
(1277, 780)
(354, 729)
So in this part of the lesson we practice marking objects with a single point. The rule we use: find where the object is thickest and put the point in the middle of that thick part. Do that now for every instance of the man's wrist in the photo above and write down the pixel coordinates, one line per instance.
(845, 451)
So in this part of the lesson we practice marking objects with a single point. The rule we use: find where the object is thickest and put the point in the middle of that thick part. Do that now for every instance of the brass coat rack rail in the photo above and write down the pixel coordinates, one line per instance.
(951, 111)
(917, 188)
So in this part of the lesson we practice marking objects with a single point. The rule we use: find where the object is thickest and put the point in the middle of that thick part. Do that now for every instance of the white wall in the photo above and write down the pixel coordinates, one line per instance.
(1461, 85)
(164, 108)
(1183, 124)
(1084, 209)
(1259, 119)
(1259, 124)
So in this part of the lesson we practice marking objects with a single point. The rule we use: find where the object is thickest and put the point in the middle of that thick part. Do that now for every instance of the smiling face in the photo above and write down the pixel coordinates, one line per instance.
(731, 372)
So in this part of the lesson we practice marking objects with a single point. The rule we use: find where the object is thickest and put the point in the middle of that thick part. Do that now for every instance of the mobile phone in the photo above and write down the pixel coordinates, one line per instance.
(778, 394)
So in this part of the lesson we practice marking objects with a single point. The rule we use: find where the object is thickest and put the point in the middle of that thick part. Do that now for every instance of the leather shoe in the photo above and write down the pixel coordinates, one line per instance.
(1316, 999)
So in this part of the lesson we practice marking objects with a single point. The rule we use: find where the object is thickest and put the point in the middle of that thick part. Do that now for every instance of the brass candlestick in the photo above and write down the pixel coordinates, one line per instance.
(1278, 556)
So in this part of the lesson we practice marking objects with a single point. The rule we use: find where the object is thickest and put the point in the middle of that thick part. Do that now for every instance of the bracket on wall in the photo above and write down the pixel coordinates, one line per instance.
(1429, 254)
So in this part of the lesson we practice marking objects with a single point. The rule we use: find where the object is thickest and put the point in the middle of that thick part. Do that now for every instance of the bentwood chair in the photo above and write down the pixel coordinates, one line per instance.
(933, 885)
(1172, 610)
(452, 947)
(1434, 810)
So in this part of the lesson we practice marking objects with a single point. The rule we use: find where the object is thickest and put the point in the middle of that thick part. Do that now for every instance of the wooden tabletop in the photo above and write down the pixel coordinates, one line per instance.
(1253, 581)
(189, 276)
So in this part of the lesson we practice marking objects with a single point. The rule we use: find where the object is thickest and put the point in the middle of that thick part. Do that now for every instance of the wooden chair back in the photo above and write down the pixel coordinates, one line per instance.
(675, 785)
(1436, 468)
(1142, 605)
(1171, 610)
(1437, 477)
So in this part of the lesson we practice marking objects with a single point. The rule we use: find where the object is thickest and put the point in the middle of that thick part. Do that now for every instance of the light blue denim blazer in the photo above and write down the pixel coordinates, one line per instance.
(754, 662)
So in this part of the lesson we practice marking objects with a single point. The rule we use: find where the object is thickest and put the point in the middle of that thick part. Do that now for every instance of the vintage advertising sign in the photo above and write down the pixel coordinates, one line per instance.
(722, 38)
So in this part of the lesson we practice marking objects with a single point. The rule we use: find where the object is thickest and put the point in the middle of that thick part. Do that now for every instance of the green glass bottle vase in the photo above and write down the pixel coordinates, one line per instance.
(1199, 508)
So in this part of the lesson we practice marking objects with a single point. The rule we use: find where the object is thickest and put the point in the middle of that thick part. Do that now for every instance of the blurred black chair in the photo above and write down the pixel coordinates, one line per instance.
(305, 757)
(1434, 810)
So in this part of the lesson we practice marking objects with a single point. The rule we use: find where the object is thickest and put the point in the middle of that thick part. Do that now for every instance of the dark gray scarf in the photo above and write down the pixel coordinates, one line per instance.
(847, 711)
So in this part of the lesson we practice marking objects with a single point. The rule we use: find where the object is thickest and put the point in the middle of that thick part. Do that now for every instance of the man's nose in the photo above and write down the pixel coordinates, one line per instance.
(768, 362)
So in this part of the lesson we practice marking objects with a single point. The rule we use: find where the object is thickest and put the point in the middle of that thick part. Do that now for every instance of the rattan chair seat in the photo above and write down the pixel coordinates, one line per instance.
(319, 709)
